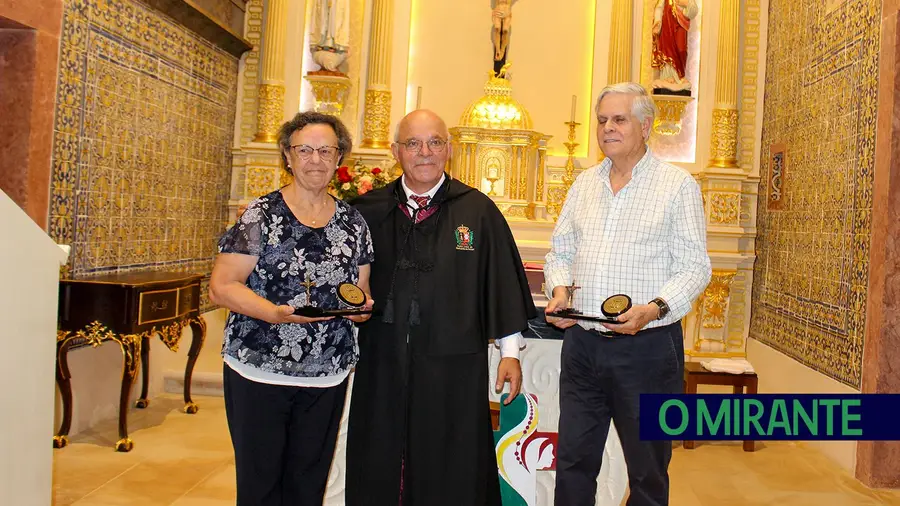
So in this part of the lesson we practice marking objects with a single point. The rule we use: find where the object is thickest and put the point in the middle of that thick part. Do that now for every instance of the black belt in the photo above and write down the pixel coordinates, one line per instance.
(609, 334)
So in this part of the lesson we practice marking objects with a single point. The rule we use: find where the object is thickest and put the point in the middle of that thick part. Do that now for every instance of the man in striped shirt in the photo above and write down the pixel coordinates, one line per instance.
(633, 225)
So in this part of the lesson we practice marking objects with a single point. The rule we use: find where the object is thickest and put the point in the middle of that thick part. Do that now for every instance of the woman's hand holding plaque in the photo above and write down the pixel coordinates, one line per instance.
(356, 305)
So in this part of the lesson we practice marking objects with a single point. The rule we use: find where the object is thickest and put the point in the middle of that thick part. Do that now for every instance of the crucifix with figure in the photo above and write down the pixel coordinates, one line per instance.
(501, 19)
(571, 289)
(308, 284)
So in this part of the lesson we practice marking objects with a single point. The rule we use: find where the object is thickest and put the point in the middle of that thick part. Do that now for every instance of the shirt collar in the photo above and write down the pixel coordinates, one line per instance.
(639, 167)
(430, 193)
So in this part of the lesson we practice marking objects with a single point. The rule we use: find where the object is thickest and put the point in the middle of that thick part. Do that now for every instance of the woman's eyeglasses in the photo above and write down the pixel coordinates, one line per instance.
(326, 153)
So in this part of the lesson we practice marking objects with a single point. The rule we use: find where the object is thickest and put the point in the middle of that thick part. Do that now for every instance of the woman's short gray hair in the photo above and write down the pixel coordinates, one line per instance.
(302, 119)
(643, 107)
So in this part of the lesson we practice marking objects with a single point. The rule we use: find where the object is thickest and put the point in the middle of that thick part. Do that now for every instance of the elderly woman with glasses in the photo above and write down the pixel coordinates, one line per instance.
(285, 375)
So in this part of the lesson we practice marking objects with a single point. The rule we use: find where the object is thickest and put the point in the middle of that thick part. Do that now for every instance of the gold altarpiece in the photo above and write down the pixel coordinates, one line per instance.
(496, 150)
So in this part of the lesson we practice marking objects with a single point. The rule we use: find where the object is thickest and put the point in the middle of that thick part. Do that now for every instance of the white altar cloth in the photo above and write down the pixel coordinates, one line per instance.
(540, 376)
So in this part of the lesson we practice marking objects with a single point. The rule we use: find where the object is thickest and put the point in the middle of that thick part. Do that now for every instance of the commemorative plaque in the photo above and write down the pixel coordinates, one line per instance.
(353, 301)
(611, 308)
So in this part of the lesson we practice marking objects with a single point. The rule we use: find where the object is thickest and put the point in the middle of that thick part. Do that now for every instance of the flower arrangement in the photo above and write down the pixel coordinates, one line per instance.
(351, 182)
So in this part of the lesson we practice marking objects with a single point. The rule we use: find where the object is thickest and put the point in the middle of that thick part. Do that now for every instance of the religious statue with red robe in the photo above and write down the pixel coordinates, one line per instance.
(671, 24)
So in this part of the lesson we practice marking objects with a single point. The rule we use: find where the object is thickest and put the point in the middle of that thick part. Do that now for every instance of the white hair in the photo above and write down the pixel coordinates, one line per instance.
(643, 108)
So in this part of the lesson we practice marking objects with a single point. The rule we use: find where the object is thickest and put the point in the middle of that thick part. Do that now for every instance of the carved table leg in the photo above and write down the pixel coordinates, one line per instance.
(143, 401)
(198, 331)
(63, 379)
(131, 348)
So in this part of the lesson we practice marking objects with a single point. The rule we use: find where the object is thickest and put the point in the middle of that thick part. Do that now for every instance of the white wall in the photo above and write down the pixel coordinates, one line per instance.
(779, 373)
(29, 267)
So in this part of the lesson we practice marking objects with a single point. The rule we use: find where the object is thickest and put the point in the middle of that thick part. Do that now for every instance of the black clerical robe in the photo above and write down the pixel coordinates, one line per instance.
(442, 288)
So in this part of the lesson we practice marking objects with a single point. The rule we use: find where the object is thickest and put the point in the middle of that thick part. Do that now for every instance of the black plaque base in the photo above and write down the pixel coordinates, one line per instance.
(577, 315)
(315, 312)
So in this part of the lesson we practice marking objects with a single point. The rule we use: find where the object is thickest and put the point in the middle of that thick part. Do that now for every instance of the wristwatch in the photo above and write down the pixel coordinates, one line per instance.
(663, 307)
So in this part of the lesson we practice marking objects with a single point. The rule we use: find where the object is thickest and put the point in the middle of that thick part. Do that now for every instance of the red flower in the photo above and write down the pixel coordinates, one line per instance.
(376, 171)
(344, 175)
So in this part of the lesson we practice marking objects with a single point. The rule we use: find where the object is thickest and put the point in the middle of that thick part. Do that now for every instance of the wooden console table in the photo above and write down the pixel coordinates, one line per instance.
(127, 309)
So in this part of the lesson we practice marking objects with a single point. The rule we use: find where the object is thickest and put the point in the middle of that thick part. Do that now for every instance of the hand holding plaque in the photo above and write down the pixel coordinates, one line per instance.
(353, 302)
(611, 308)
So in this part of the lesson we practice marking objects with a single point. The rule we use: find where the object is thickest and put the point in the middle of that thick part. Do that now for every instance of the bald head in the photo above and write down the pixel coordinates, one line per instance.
(416, 117)
(423, 161)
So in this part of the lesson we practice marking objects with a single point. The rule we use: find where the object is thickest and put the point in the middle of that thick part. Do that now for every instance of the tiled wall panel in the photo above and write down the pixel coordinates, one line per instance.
(815, 206)
(141, 156)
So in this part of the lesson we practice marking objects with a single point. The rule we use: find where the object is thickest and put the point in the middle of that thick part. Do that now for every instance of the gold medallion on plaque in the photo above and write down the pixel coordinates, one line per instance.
(351, 295)
(616, 305)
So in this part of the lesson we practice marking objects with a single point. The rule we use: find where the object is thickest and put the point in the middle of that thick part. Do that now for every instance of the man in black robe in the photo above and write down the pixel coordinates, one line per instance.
(447, 279)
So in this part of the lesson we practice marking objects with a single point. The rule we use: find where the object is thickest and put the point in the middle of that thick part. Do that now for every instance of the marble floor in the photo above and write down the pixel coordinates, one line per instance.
(186, 461)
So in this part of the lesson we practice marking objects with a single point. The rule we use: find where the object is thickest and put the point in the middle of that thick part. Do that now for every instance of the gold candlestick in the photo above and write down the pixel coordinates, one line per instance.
(569, 176)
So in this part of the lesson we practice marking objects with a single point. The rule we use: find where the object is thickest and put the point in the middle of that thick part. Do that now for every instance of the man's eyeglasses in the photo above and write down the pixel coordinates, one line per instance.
(326, 153)
(436, 145)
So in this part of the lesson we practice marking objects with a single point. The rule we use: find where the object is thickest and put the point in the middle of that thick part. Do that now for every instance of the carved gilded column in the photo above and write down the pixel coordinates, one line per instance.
(377, 118)
(523, 173)
(723, 147)
(270, 114)
(621, 33)
(542, 167)
(720, 323)
(473, 171)
(512, 179)
(620, 36)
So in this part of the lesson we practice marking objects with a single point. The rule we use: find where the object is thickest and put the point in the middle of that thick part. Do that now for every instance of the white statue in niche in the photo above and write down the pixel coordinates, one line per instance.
(329, 34)
(671, 24)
